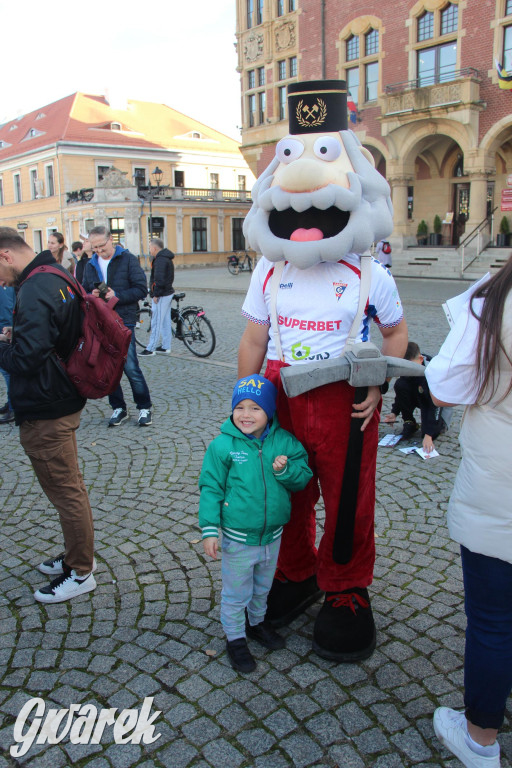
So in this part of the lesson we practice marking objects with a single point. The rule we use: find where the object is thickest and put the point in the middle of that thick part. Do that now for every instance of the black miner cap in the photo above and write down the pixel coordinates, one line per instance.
(317, 106)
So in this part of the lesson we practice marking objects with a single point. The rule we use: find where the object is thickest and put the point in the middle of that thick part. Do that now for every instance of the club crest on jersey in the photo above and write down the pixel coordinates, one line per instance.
(339, 289)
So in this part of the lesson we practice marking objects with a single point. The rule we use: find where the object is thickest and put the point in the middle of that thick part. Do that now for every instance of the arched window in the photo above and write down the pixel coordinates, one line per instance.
(360, 64)
(436, 45)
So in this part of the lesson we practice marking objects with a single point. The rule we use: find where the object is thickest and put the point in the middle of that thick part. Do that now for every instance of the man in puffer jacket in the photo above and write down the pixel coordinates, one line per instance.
(161, 292)
(248, 473)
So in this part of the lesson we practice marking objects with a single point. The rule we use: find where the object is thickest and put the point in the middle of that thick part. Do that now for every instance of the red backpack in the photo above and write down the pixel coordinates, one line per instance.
(96, 364)
(386, 248)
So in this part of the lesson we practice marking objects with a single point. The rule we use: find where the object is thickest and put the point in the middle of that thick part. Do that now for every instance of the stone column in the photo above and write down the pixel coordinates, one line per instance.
(179, 230)
(131, 229)
(401, 236)
(220, 230)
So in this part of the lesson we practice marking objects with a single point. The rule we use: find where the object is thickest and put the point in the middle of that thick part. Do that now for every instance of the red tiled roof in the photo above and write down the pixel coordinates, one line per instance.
(87, 119)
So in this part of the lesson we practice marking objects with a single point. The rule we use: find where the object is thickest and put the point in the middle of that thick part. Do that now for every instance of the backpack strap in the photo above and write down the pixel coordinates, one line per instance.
(274, 287)
(364, 293)
(49, 268)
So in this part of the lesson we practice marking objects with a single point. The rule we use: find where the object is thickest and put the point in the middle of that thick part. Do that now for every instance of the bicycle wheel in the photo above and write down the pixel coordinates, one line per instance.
(198, 334)
(143, 328)
(233, 267)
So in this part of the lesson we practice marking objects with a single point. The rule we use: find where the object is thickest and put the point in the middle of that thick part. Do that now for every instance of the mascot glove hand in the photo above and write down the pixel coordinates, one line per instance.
(365, 409)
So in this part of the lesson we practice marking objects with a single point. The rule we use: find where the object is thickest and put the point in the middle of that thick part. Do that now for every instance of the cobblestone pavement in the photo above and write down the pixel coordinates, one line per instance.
(145, 630)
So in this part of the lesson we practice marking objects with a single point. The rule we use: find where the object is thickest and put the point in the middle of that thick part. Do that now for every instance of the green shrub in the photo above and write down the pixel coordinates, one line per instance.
(438, 224)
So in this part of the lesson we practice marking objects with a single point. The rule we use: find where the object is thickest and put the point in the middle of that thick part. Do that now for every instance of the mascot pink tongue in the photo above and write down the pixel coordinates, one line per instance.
(316, 208)
(306, 235)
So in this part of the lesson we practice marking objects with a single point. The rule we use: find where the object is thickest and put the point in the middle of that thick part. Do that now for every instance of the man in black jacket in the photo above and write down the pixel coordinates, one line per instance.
(46, 325)
(121, 272)
(161, 292)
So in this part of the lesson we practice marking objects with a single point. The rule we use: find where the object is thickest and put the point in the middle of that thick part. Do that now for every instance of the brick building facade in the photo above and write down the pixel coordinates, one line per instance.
(423, 78)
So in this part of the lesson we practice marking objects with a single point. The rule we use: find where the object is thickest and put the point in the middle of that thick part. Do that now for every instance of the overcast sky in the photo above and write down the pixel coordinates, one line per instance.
(177, 52)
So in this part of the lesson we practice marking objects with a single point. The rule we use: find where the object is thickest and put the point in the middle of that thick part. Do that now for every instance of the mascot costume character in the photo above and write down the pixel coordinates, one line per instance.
(318, 206)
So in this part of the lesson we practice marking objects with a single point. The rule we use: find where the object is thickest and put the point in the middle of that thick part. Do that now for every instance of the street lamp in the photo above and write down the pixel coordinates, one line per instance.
(157, 175)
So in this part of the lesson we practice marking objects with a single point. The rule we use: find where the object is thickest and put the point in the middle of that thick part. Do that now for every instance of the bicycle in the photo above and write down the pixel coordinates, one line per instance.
(238, 262)
(190, 325)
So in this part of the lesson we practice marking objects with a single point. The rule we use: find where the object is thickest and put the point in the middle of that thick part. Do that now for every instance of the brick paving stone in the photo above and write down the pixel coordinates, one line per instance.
(256, 742)
(233, 718)
(221, 753)
(200, 731)
(281, 723)
(345, 756)
(302, 750)
(263, 704)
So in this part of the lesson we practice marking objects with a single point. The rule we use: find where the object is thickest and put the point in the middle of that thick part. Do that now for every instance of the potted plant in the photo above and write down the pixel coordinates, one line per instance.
(422, 232)
(435, 236)
(502, 239)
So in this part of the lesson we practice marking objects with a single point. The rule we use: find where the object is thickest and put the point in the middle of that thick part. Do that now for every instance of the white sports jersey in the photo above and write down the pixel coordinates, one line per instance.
(316, 306)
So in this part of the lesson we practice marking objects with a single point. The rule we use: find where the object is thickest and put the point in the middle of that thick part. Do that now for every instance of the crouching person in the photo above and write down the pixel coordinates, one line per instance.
(248, 473)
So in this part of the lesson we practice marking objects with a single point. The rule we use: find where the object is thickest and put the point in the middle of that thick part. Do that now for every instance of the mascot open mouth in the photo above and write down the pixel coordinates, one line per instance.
(311, 224)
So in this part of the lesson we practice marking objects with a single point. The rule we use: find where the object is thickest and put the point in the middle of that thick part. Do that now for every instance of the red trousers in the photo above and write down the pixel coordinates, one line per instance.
(320, 419)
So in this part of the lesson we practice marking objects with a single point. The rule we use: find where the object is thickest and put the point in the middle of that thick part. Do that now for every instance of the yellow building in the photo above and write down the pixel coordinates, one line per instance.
(81, 161)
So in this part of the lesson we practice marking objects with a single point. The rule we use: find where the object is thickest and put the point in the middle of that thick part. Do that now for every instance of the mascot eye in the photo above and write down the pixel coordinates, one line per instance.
(327, 148)
(288, 150)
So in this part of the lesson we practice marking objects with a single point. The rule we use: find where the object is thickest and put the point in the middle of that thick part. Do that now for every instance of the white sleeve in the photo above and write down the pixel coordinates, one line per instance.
(255, 307)
(451, 374)
(384, 302)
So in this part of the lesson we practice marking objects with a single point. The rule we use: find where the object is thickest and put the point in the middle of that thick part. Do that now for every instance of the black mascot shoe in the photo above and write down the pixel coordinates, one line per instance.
(344, 629)
(287, 599)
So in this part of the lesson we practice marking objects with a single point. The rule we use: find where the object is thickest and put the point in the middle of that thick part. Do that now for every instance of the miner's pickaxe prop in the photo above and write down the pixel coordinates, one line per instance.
(362, 366)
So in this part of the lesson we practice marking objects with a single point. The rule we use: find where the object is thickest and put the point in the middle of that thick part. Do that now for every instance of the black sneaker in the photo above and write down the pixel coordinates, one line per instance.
(265, 635)
(240, 656)
(162, 351)
(4, 408)
(7, 417)
(408, 430)
(118, 417)
(66, 586)
(145, 417)
(146, 353)
(54, 566)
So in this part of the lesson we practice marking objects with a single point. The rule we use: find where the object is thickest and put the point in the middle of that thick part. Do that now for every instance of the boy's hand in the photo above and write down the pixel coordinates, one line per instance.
(389, 418)
(211, 545)
(428, 444)
(279, 463)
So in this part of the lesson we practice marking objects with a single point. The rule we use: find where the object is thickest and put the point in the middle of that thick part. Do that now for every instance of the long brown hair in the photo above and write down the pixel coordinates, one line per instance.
(62, 245)
(494, 292)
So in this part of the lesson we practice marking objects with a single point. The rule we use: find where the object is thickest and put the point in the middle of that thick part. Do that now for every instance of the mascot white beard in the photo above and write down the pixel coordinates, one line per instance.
(334, 192)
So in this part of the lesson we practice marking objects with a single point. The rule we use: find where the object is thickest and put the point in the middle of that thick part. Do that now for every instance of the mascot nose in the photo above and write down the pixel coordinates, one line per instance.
(307, 175)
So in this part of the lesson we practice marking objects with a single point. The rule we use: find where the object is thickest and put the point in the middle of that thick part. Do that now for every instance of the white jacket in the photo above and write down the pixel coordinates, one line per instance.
(480, 508)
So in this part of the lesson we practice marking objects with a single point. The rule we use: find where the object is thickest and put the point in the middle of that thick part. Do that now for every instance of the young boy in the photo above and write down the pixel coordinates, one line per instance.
(412, 392)
(248, 473)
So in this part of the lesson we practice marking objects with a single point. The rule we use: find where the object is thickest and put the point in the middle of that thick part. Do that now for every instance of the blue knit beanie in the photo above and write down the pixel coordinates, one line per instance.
(258, 389)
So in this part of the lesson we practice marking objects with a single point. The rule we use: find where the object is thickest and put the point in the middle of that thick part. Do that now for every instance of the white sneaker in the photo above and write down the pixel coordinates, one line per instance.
(53, 566)
(145, 417)
(64, 587)
(451, 730)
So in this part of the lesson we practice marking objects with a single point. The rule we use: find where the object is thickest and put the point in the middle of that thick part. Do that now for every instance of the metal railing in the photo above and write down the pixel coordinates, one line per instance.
(476, 232)
(424, 82)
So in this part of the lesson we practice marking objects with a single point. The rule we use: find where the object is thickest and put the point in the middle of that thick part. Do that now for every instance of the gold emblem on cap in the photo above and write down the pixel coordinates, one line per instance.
(308, 117)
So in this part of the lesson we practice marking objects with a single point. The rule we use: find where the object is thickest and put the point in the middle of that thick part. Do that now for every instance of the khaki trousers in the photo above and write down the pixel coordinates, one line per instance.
(51, 447)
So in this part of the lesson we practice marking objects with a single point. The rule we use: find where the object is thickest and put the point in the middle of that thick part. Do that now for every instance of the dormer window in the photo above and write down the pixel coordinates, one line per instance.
(40, 116)
(115, 126)
(196, 135)
(13, 127)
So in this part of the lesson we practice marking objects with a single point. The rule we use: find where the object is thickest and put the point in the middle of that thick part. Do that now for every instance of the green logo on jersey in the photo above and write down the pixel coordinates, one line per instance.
(300, 351)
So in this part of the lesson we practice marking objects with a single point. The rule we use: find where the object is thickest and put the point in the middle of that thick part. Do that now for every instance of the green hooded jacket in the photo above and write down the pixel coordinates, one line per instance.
(241, 493)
